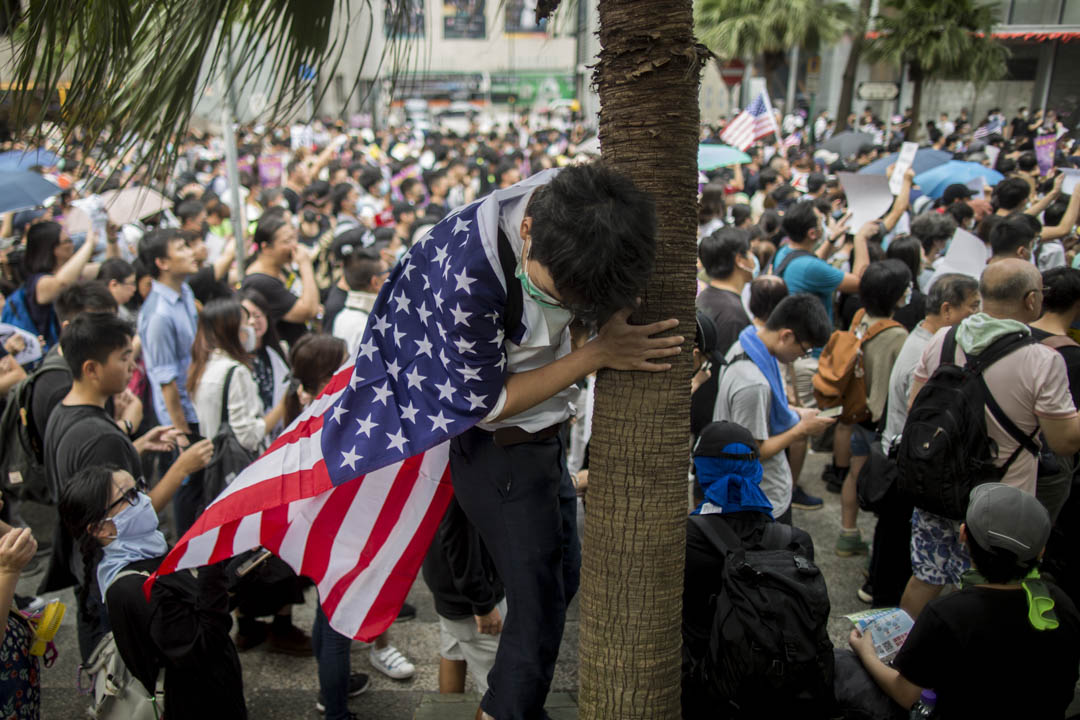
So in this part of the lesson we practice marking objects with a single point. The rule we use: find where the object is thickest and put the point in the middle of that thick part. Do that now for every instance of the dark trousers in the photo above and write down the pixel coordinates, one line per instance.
(332, 655)
(890, 554)
(188, 500)
(523, 504)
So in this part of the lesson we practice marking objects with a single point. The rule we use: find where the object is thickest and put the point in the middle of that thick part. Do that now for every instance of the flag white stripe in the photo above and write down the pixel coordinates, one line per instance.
(365, 588)
(295, 540)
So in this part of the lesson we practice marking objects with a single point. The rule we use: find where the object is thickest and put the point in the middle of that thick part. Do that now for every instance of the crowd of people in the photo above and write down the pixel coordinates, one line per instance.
(159, 350)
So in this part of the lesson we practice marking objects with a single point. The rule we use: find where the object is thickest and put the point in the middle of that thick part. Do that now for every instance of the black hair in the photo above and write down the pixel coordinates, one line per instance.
(997, 565)
(401, 208)
(407, 185)
(933, 228)
(770, 223)
(595, 232)
(740, 213)
(269, 223)
(882, 285)
(767, 176)
(952, 288)
(189, 210)
(1053, 214)
(718, 251)
(338, 196)
(1061, 289)
(815, 181)
(1012, 234)
(270, 339)
(83, 503)
(711, 204)
(1005, 165)
(369, 177)
(1011, 193)
(117, 269)
(908, 250)
(154, 246)
(986, 227)
(1027, 161)
(86, 296)
(360, 267)
(960, 212)
(41, 240)
(93, 336)
(799, 220)
(804, 315)
(766, 292)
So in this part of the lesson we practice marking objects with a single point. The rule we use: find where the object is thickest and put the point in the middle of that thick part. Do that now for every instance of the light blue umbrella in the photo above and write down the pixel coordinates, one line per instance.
(26, 159)
(710, 157)
(933, 182)
(925, 159)
(22, 189)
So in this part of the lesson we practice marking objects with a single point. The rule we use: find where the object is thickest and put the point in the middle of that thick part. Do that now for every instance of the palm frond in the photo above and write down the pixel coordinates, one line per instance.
(748, 28)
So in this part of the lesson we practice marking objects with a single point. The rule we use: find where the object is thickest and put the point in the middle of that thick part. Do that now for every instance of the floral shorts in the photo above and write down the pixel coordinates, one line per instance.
(937, 555)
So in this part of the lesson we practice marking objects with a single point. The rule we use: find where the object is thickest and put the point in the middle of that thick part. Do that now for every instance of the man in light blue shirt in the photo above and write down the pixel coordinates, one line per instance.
(167, 323)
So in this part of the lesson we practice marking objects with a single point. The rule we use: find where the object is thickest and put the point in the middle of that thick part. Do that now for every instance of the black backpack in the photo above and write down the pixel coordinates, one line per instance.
(769, 649)
(230, 457)
(945, 449)
(22, 452)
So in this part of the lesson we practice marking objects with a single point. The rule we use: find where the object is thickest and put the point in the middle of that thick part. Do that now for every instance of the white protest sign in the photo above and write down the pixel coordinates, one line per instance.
(903, 162)
(977, 185)
(868, 197)
(992, 152)
(28, 354)
(967, 255)
(1072, 178)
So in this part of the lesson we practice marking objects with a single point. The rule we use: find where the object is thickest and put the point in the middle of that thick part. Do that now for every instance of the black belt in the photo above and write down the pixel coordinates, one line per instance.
(504, 437)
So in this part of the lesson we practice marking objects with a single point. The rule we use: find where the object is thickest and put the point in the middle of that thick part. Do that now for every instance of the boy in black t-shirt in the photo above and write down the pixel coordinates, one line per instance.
(1004, 646)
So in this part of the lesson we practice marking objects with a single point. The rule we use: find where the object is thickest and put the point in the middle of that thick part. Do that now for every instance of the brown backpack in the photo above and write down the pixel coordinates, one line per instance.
(841, 378)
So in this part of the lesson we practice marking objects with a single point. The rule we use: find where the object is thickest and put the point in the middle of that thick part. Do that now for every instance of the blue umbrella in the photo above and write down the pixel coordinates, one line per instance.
(933, 182)
(925, 159)
(710, 157)
(21, 189)
(26, 159)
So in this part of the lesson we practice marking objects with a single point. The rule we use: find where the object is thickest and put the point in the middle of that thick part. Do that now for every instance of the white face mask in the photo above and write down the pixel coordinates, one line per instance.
(247, 338)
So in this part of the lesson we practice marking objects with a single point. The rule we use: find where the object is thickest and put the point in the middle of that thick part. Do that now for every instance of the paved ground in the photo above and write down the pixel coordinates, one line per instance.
(285, 687)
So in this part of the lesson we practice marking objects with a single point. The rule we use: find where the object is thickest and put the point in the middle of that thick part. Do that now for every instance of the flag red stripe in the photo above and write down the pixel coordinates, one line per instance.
(324, 528)
(273, 526)
(389, 514)
(223, 546)
(398, 583)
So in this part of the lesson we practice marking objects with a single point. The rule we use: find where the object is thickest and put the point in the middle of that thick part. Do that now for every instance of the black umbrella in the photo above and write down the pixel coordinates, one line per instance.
(847, 143)
(20, 189)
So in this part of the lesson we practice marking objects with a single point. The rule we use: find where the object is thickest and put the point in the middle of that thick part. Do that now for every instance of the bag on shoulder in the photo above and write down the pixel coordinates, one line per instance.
(22, 452)
(945, 449)
(230, 457)
(840, 379)
(876, 485)
(769, 649)
(17, 312)
(116, 693)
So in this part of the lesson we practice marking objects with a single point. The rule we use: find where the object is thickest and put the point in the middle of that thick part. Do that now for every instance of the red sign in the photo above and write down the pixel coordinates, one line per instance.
(732, 72)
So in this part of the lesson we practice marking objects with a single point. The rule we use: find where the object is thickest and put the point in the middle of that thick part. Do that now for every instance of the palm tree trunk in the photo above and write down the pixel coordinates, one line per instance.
(635, 529)
(847, 90)
(916, 74)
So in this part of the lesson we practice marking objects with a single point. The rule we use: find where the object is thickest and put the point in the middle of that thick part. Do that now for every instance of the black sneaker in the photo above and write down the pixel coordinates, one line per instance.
(805, 501)
(358, 685)
(833, 477)
(407, 613)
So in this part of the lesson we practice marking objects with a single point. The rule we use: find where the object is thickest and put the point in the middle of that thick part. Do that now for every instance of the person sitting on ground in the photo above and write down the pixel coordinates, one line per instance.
(1031, 386)
(183, 627)
(1008, 644)
(729, 471)
(751, 392)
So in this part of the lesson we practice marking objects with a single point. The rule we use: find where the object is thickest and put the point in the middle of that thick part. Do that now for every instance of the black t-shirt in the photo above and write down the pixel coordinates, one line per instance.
(1071, 355)
(292, 198)
(50, 387)
(206, 287)
(726, 310)
(280, 301)
(978, 652)
(334, 303)
(914, 312)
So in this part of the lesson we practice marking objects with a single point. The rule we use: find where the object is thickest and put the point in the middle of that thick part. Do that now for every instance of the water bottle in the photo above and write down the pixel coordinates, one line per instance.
(924, 708)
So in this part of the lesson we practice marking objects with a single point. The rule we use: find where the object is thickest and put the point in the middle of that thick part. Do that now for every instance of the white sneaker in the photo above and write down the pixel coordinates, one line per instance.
(390, 662)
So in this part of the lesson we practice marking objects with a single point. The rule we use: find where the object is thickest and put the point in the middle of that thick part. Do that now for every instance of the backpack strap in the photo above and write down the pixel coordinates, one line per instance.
(514, 307)
(788, 259)
(225, 399)
(879, 327)
(777, 536)
(948, 348)
(1025, 442)
(1004, 345)
(719, 535)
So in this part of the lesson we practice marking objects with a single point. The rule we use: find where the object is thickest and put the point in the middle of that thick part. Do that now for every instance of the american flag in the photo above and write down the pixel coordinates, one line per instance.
(350, 495)
(755, 122)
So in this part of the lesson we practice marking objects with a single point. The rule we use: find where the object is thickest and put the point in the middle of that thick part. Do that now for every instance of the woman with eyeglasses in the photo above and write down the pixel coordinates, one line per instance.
(183, 628)
(268, 361)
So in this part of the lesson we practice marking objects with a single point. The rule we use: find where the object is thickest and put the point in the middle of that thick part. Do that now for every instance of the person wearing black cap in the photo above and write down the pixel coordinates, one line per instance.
(954, 192)
(1006, 645)
(728, 468)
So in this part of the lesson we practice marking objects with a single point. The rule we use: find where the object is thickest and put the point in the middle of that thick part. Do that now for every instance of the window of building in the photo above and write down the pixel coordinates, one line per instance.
(1070, 14)
(1035, 12)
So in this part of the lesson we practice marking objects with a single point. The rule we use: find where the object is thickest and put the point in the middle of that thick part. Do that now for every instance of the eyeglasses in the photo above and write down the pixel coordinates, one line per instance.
(130, 496)
(807, 350)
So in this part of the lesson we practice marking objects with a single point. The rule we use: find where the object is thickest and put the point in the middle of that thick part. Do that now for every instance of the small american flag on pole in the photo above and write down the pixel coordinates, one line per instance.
(351, 494)
(753, 123)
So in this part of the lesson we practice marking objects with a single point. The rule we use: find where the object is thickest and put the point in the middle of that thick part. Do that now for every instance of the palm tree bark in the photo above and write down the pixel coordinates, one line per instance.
(635, 530)
(847, 90)
(916, 74)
